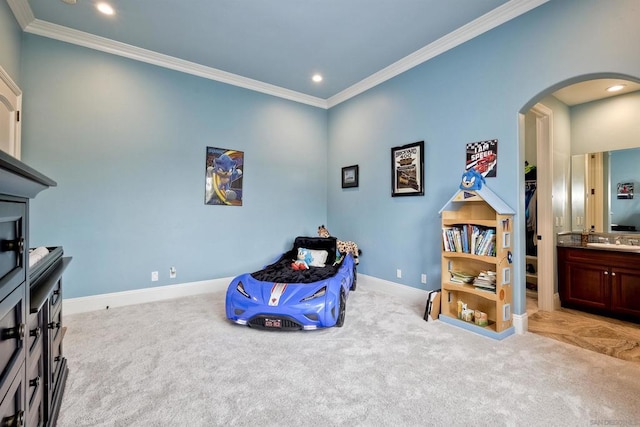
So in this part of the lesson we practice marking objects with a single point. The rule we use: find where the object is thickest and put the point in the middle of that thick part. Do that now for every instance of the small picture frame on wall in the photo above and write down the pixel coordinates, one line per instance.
(407, 170)
(625, 190)
(350, 176)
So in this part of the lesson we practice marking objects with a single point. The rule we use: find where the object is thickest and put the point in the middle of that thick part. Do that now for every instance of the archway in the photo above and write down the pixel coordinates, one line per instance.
(554, 211)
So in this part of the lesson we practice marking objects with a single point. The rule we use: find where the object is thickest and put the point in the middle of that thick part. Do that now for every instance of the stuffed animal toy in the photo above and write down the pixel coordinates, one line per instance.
(472, 180)
(303, 260)
(343, 246)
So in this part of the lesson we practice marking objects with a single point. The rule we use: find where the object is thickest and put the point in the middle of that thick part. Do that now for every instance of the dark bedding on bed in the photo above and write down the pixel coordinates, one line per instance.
(281, 271)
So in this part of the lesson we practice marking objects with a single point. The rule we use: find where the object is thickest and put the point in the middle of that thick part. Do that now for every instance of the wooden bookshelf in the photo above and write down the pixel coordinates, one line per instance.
(477, 211)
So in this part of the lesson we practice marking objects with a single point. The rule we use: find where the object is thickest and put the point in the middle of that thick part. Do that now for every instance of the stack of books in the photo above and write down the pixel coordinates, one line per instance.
(469, 239)
(461, 277)
(486, 281)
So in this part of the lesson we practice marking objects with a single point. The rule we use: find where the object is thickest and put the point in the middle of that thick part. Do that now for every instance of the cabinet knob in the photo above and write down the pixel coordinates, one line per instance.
(35, 382)
(16, 245)
(35, 332)
(16, 420)
(606, 273)
(613, 274)
(16, 332)
(55, 325)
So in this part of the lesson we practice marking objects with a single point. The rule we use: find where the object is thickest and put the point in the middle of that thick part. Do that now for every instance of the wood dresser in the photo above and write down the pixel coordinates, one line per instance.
(33, 370)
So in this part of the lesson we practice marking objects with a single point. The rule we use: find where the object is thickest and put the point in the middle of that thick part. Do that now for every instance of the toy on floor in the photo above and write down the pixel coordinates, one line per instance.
(303, 260)
(343, 246)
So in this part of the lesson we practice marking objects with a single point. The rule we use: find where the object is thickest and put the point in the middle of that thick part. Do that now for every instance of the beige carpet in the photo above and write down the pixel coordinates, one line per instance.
(181, 363)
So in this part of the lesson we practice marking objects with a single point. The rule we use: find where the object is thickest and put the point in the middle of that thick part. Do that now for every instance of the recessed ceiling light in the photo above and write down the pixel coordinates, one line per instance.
(105, 8)
(316, 78)
(69, 1)
(615, 88)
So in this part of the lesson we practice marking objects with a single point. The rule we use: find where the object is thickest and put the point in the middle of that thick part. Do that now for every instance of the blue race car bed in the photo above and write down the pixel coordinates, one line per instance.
(281, 297)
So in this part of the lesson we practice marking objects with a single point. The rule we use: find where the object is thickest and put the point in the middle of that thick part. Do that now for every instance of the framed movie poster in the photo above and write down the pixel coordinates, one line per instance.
(223, 177)
(483, 157)
(407, 170)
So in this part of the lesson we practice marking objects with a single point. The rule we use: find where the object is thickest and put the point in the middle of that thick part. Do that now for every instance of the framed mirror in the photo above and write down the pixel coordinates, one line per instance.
(602, 191)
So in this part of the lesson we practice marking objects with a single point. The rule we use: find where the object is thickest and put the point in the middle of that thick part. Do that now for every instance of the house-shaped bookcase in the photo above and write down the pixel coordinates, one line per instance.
(477, 269)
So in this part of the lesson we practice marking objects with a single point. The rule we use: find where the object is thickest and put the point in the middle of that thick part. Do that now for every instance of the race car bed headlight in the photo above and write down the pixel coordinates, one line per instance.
(319, 293)
(240, 288)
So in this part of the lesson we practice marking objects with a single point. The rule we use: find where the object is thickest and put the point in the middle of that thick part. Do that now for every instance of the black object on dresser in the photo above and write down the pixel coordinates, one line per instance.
(32, 367)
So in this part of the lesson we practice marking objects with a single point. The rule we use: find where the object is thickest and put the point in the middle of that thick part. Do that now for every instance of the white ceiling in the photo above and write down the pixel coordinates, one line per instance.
(593, 90)
(275, 46)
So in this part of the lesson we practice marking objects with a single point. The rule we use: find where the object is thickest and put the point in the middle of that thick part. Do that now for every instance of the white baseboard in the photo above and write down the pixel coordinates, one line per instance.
(140, 296)
(409, 294)
(521, 323)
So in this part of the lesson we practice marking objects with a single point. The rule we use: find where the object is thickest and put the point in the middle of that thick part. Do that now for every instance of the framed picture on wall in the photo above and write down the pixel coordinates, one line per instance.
(483, 157)
(223, 177)
(625, 190)
(350, 176)
(407, 170)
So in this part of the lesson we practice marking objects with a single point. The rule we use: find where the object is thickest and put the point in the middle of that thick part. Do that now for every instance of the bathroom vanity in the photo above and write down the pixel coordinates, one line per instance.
(602, 279)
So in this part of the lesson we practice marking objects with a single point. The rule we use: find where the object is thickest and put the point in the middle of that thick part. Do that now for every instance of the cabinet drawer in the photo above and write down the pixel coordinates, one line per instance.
(35, 333)
(12, 336)
(12, 246)
(55, 327)
(12, 408)
(55, 299)
(35, 382)
(56, 363)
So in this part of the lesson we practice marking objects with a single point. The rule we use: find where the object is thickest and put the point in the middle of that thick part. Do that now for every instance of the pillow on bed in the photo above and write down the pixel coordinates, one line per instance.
(318, 243)
(318, 257)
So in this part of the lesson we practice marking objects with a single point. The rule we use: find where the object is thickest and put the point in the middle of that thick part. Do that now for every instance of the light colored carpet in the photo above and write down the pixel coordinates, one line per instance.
(181, 363)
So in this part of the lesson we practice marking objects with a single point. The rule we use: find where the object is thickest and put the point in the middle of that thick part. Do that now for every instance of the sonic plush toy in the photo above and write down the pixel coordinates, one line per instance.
(303, 260)
(471, 180)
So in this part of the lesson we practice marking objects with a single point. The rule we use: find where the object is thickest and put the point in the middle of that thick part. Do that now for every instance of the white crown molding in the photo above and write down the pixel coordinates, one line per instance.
(22, 11)
(80, 38)
(486, 22)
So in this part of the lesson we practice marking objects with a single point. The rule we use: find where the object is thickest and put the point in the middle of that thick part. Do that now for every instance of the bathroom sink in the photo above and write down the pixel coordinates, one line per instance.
(614, 247)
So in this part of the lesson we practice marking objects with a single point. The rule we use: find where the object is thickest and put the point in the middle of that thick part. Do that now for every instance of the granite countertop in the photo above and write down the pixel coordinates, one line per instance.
(601, 247)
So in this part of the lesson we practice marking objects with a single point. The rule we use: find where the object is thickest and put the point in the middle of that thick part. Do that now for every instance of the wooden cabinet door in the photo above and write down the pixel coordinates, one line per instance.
(625, 291)
(586, 285)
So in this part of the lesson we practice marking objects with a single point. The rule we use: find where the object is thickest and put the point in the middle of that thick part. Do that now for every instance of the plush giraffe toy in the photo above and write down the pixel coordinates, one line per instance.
(343, 246)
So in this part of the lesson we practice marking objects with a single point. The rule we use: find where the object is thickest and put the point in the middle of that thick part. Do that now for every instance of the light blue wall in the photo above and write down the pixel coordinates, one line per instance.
(473, 92)
(608, 124)
(625, 167)
(126, 142)
(10, 45)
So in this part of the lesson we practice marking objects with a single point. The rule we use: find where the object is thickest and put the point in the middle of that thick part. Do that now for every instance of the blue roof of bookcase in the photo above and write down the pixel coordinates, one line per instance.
(485, 194)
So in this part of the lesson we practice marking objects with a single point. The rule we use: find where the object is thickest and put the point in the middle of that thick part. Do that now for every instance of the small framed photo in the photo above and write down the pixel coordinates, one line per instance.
(350, 176)
(407, 170)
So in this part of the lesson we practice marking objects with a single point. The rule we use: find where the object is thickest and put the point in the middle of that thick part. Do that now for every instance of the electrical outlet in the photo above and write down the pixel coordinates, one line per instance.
(399, 273)
(154, 276)
(172, 273)
(423, 278)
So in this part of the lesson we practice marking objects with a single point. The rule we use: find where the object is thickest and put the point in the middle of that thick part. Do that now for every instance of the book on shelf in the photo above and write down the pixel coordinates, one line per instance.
(461, 277)
(485, 281)
(469, 238)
